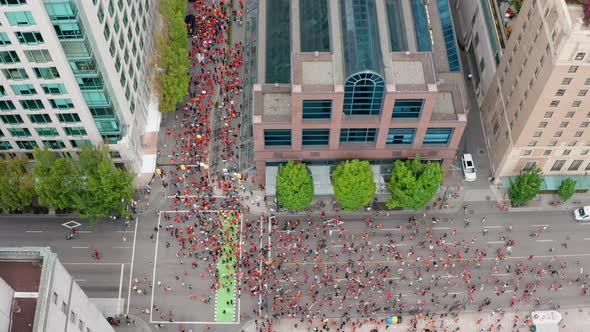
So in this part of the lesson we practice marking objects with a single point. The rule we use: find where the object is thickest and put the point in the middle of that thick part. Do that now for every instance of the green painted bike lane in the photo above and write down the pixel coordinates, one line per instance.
(225, 297)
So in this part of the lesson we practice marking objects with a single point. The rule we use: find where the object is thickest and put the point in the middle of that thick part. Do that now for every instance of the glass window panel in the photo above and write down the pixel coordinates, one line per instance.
(61, 11)
(19, 132)
(62, 104)
(401, 136)
(317, 109)
(54, 88)
(32, 104)
(23, 18)
(363, 94)
(47, 132)
(24, 89)
(40, 118)
(7, 105)
(53, 144)
(438, 135)
(29, 38)
(68, 117)
(315, 28)
(27, 145)
(4, 40)
(358, 134)
(11, 119)
(277, 137)
(5, 145)
(13, 2)
(46, 72)
(407, 108)
(75, 131)
(315, 136)
(9, 57)
(16, 74)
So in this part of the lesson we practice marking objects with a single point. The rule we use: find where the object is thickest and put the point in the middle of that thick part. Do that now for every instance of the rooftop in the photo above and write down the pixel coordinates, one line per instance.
(24, 278)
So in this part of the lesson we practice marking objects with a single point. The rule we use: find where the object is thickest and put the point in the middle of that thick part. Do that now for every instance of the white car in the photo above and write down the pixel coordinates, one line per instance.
(468, 167)
(582, 214)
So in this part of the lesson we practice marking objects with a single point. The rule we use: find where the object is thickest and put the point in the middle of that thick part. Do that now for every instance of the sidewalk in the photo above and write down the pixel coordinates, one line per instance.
(574, 320)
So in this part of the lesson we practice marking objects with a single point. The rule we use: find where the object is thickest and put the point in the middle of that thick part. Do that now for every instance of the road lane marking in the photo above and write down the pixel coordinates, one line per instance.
(83, 231)
(133, 259)
(448, 276)
(80, 247)
(495, 242)
(33, 231)
(492, 227)
(441, 228)
(79, 280)
(587, 239)
(544, 240)
(501, 274)
(338, 246)
(389, 229)
(122, 247)
(120, 288)
(95, 263)
(539, 225)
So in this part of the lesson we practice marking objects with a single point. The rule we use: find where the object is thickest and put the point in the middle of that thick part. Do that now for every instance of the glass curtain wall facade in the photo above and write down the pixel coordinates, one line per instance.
(67, 25)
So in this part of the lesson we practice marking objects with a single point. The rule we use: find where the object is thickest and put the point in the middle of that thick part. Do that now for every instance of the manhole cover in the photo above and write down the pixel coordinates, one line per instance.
(71, 224)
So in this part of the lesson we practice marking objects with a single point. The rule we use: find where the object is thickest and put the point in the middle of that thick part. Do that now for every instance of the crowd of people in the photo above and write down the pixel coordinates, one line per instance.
(313, 269)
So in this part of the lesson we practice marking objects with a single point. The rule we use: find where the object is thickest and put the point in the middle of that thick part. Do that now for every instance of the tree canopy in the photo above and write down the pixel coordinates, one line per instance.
(294, 186)
(567, 189)
(413, 184)
(525, 186)
(17, 187)
(353, 183)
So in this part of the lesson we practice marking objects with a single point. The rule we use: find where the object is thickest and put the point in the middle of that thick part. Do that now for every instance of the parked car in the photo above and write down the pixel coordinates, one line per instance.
(582, 213)
(468, 167)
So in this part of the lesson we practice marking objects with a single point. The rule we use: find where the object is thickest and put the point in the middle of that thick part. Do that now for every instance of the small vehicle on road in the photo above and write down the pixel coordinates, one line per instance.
(468, 167)
(582, 214)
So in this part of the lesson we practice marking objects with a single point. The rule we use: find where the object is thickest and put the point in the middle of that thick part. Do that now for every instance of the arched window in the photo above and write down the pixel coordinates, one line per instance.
(363, 94)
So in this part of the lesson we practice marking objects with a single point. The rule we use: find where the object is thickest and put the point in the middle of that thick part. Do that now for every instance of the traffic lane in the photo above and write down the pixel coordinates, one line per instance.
(100, 280)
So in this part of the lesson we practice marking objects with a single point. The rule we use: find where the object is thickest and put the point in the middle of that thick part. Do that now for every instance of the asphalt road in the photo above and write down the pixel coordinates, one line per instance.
(98, 278)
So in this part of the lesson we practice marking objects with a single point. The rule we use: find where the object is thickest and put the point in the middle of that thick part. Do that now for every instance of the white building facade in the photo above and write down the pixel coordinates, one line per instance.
(75, 71)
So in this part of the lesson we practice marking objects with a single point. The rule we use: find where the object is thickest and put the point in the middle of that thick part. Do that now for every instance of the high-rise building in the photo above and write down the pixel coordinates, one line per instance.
(75, 71)
(370, 79)
(37, 294)
(535, 111)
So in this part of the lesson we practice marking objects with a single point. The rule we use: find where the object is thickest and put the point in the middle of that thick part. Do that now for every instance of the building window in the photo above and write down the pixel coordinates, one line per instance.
(19, 132)
(580, 56)
(23, 18)
(584, 152)
(11, 119)
(15, 74)
(54, 89)
(5, 146)
(4, 39)
(40, 118)
(578, 134)
(26, 145)
(46, 73)
(32, 104)
(358, 134)
(62, 104)
(64, 308)
(558, 133)
(552, 143)
(29, 38)
(38, 56)
(576, 103)
(277, 137)
(537, 134)
(527, 152)
(13, 2)
(68, 117)
(567, 152)
(560, 92)
(6, 105)
(543, 124)
(24, 89)
(61, 11)
(563, 124)
(75, 131)
(401, 136)
(554, 103)
(315, 136)
(548, 114)
(570, 114)
(9, 57)
(546, 152)
(80, 325)
(557, 165)
(528, 165)
(73, 317)
(438, 135)
(54, 144)
(572, 143)
(572, 69)
(584, 124)
(575, 165)
(363, 94)
(47, 132)
(407, 108)
(532, 143)
(566, 81)
(100, 14)
(582, 92)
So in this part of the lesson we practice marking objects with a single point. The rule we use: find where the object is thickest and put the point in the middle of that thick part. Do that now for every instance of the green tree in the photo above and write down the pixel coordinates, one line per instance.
(105, 188)
(57, 180)
(172, 51)
(526, 186)
(294, 186)
(567, 189)
(17, 186)
(353, 183)
(413, 184)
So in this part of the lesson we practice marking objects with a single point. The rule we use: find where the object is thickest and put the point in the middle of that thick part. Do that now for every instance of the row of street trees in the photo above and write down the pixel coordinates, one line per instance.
(413, 184)
(92, 187)
(527, 185)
